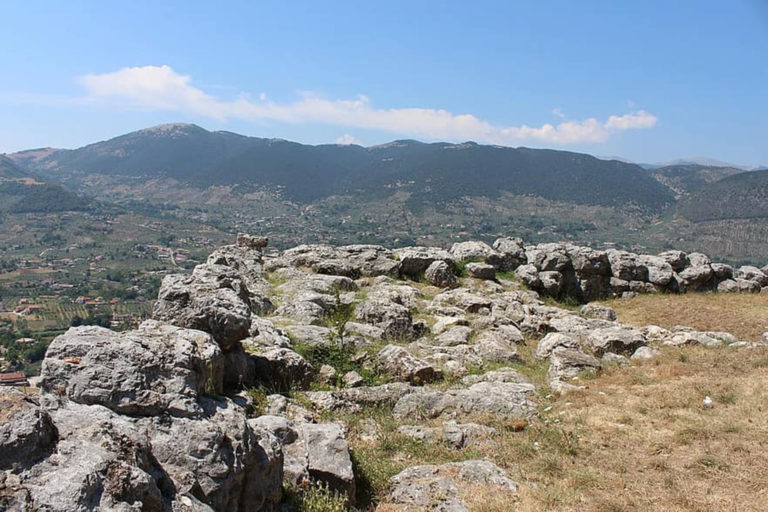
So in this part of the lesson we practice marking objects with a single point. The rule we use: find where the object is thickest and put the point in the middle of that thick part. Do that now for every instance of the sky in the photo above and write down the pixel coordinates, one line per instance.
(648, 81)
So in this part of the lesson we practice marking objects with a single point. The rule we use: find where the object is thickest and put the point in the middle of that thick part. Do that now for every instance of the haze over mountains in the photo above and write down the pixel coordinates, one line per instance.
(385, 191)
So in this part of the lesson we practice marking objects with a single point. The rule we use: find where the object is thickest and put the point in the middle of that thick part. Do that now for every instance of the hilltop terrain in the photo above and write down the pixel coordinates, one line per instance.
(327, 378)
(111, 219)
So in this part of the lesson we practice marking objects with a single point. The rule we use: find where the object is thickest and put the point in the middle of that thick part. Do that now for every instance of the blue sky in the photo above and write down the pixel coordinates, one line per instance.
(649, 81)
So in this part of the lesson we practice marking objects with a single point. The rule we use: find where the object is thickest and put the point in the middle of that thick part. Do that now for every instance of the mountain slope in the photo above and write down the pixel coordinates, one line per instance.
(687, 179)
(9, 169)
(741, 196)
(436, 172)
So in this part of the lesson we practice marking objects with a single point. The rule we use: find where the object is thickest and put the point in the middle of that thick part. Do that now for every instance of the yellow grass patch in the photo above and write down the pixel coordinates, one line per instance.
(744, 315)
(639, 438)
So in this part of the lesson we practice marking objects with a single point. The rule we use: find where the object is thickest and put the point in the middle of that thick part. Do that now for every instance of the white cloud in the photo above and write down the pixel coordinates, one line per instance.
(558, 112)
(162, 88)
(348, 139)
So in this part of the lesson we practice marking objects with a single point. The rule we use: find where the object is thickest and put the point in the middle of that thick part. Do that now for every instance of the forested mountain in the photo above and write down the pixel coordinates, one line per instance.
(431, 172)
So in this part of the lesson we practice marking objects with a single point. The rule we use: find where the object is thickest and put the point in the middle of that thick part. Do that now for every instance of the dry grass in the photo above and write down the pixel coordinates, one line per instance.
(743, 315)
(638, 438)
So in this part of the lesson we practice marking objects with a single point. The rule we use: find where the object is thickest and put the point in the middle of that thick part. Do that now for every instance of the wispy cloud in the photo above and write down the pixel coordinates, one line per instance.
(162, 88)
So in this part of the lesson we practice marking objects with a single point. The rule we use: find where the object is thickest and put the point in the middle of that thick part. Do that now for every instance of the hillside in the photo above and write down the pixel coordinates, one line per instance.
(432, 172)
(684, 180)
(9, 169)
(741, 196)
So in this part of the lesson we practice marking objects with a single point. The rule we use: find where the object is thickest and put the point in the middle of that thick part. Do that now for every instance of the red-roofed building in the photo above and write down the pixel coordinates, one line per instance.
(13, 379)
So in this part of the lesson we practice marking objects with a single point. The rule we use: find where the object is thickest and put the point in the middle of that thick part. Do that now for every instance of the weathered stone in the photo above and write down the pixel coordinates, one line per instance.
(481, 271)
(552, 341)
(549, 257)
(529, 275)
(660, 272)
(697, 259)
(26, 431)
(722, 271)
(456, 335)
(434, 487)
(462, 435)
(750, 273)
(676, 259)
(337, 268)
(551, 282)
(497, 345)
(321, 453)
(627, 266)
(693, 338)
(352, 380)
(598, 311)
(439, 273)
(621, 340)
(566, 365)
(398, 362)
(394, 319)
(156, 369)
(213, 299)
(507, 400)
(645, 353)
(610, 357)
(512, 251)
(282, 369)
(414, 261)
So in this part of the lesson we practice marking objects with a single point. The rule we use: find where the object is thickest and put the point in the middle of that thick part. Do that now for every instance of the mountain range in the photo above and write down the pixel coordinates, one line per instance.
(433, 172)
(392, 187)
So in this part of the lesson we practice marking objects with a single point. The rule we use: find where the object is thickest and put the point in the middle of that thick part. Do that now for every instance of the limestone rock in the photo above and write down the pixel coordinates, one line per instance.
(398, 362)
(26, 431)
(507, 400)
(439, 273)
(156, 369)
(553, 341)
(213, 299)
(598, 311)
(481, 271)
(621, 340)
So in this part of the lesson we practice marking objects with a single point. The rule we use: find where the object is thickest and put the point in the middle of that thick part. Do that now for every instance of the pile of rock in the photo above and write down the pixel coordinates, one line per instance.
(158, 418)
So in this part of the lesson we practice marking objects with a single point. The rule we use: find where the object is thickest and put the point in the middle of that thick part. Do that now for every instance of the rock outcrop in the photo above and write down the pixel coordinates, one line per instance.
(215, 403)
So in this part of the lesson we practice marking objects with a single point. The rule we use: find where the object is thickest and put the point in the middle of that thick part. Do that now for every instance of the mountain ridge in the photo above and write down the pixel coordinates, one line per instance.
(306, 173)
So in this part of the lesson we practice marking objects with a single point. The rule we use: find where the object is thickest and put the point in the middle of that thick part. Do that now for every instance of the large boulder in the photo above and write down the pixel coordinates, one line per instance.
(551, 256)
(439, 273)
(27, 433)
(414, 261)
(660, 272)
(589, 262)
(620, 340)
(504, 399)
(566, 365)
(627, 266)
(213, 299)
(399, 363)
(320, 452)
(474, 251)
(481, 271)
(157, 369)
(394, 319)
(245, 258)
(512, 251)
(552, 341)
(676, 259)
(749, 273)
(439, 488)
(224, 461)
